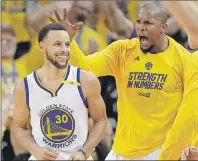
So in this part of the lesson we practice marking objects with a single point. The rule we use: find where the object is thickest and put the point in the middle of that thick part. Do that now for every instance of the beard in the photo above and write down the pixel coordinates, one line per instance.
(147, 50)
(54, 62)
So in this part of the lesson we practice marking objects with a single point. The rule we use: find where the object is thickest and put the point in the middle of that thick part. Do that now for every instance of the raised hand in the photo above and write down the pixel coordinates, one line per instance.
(71, 29)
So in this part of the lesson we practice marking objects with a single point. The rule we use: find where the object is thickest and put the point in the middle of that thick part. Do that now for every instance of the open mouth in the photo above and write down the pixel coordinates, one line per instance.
(143, 40)
(61, 57)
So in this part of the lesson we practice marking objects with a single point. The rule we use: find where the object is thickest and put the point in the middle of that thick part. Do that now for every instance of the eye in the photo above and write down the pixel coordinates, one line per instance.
(147, 23)
(138, 21)
(67, 44)
(57, 44)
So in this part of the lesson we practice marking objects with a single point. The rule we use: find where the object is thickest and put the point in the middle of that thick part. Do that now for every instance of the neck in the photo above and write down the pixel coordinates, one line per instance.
(51, 72)
(161, 46)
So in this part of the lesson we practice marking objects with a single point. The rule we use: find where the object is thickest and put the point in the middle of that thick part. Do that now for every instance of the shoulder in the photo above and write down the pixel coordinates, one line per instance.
(127, 42)
(125, 45)
(89, 82)
(19, 90)
(178, 47)
(88, 78)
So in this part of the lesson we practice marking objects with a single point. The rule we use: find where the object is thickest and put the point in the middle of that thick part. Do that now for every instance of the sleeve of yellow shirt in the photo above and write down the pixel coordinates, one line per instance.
(191, 74)
(105, 62)
(183, 131)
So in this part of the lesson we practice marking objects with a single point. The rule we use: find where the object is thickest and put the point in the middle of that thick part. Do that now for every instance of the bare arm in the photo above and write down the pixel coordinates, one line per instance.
(186, 13)
(21, 120)
(97, 110)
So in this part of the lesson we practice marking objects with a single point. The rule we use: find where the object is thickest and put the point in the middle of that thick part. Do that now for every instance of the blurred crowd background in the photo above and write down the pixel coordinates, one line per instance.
(104, 22)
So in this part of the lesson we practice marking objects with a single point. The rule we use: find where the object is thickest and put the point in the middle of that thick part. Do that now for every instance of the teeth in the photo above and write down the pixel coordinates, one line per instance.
(62, 57)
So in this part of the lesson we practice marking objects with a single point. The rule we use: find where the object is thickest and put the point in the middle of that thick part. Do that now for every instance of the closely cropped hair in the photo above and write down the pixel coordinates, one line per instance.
(47, 28)
(155, 6)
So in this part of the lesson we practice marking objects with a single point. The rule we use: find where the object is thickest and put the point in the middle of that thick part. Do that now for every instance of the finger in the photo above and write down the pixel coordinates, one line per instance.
(49, 158)
(51, 154)
(78, 25)
(51, 18)
(53, 151)
(57, 15)
(65, 14)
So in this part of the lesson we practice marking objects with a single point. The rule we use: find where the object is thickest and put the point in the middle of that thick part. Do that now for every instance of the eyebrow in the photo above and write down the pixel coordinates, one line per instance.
(60, 41)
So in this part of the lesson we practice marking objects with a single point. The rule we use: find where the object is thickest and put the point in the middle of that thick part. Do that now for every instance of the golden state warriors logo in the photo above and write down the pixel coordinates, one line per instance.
(148, 65)
(57, 125)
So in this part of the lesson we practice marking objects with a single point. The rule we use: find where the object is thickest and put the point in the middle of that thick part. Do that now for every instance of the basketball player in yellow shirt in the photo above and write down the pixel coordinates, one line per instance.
(184, 132)
(149, 72)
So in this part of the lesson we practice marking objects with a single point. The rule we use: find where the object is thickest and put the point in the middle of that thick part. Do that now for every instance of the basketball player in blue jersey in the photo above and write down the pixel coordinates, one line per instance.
(56, 100)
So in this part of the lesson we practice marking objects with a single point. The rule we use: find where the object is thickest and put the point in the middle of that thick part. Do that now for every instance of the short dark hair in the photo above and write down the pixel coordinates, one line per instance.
(47, 28)
(161, 13)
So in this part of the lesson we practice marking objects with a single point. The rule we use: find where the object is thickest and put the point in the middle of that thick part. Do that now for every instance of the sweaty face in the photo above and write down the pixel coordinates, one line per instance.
(57, 48)
(148, 29)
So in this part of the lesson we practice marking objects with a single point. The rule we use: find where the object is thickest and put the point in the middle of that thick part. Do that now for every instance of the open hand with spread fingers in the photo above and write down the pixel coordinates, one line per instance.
(72, 29)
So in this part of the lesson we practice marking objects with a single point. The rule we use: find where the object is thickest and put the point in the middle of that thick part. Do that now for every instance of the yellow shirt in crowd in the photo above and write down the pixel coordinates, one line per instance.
(184, 132)
(13, 13)
(150, 91)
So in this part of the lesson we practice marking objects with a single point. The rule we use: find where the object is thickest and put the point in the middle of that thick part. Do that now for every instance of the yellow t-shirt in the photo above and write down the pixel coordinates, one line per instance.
(150, 90)
(14, 14)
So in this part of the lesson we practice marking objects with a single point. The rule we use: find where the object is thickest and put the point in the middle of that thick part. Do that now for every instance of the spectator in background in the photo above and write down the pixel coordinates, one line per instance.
(13, 12)
(108, 21)
(88, 40)
(11, 71)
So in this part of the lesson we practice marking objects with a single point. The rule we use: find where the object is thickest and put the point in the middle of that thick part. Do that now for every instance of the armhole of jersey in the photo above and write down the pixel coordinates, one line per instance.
(26, 92)
(80, 89)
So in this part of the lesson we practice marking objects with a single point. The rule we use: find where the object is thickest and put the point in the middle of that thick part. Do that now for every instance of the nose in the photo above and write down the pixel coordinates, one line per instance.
(141, 27)
(63, 48)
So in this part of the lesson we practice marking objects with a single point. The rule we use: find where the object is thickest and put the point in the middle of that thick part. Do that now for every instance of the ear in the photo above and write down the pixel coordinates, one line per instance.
(164, 27)
(41, 45)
